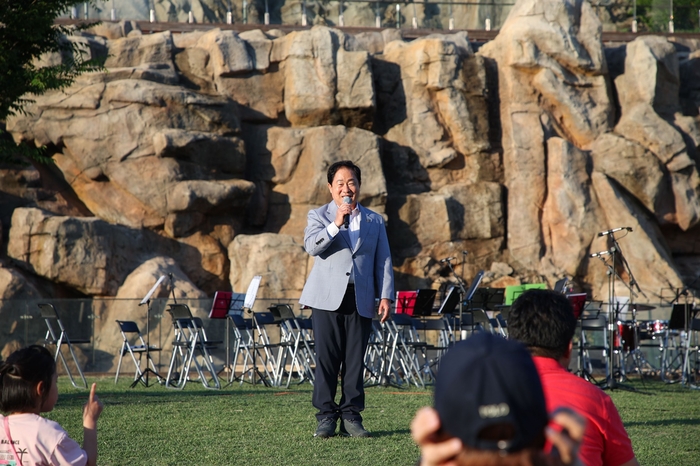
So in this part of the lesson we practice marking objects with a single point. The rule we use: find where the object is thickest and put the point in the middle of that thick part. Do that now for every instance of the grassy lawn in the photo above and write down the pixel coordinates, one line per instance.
(264, 426)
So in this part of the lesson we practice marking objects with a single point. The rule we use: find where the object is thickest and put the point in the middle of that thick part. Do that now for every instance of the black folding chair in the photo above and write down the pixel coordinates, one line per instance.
(50, 316)
(190, 341)
(133, 343)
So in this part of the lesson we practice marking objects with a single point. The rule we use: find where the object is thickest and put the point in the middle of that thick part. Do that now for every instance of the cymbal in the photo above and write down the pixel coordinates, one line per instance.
(642, 307)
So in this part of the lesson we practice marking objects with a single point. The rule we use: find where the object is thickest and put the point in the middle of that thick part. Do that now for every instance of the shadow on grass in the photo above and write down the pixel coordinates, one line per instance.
(117, 397)
(389, 433)
(665, 423)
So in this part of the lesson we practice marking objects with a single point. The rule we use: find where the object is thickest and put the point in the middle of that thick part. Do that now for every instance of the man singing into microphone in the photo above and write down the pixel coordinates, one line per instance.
(352, 267)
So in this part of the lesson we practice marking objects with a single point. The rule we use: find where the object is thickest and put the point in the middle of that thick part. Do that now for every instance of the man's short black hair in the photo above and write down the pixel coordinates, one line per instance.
(347, 164)
(544, 321)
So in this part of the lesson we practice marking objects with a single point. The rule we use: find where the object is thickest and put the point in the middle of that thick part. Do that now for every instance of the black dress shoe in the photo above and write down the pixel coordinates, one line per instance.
(350, 428)
(325, 428)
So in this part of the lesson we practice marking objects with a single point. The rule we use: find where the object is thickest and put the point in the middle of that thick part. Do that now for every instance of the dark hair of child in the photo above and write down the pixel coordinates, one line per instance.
(19, 376)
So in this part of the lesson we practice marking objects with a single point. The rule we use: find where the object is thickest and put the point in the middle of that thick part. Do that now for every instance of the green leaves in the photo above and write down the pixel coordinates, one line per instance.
(28, 32)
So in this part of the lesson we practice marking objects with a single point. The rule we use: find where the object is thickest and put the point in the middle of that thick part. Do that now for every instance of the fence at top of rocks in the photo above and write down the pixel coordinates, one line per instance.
(618, 15)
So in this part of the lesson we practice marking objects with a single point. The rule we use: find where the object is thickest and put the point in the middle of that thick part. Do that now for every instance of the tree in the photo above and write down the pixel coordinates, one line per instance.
(28, 31)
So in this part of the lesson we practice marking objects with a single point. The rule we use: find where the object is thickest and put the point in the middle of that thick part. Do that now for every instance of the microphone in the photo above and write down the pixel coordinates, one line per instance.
(465, 253)
(447, 259)
(603, 253)
(607, 232)
(346, 217)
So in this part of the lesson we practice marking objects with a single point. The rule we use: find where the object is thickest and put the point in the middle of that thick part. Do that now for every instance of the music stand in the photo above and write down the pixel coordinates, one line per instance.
(406, 302)
(514, 291)
(578, 303)
(424, 302)
(560, 285)
(220, 305)
(220, 310)
(681, 315)
(469, 296)
(450, 303)
(143, 378)
(248, 302)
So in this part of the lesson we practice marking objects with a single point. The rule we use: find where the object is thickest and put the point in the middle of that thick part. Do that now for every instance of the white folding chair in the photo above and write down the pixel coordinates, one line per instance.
(267, 352)
(691, 361)
(404, 344)
(296, 346)
(50, 316)
(190, 345)
(242, 348)
(375, 355)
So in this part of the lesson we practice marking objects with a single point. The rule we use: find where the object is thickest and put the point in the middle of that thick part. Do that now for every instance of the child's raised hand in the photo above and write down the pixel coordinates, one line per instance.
(92, 409)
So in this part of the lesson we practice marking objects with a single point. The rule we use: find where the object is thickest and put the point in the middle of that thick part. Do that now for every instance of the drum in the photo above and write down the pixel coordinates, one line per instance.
(657, 327)
(626, 335)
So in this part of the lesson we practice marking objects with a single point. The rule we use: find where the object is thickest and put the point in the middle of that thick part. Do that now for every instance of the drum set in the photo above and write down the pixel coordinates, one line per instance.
(635, 336)
(675, 341)
(648, 348)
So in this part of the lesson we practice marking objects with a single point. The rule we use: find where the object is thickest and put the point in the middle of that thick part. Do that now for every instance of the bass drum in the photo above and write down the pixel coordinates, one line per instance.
(626, 338)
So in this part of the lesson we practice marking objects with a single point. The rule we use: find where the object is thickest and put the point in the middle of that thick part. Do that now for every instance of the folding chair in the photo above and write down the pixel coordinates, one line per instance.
(484, 322)
(590, 326)
(502, 325)
(190, 340)
(242, 347)
(691, 361)
(50, 314)
(133, 343)
(296, 346)
(443, 340)
(374, 361)
(405, 344)
(674, 341)
(270, 353)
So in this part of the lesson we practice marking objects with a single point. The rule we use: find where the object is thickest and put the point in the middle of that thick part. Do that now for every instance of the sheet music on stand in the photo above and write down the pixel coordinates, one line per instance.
(249, 299)
(148, 296)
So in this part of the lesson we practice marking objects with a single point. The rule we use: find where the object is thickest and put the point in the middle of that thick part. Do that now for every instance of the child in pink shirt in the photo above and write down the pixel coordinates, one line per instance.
(28, 387)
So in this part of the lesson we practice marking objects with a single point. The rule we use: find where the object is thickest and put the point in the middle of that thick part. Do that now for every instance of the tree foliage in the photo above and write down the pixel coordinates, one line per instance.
(28, 31)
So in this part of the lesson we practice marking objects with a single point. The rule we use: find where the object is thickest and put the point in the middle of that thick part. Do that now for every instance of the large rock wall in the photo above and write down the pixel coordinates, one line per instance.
(205, 150)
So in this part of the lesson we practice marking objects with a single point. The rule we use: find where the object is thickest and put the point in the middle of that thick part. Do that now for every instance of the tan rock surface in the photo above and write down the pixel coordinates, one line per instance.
(649, 99)
(279, 259)
(551, 66)
(94, 257)
(431, 92)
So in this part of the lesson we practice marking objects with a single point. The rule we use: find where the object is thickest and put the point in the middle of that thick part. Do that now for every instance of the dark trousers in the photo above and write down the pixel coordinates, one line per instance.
(341, 340)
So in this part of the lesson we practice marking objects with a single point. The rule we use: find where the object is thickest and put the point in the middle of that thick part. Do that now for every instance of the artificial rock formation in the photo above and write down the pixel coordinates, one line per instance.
(205, 151)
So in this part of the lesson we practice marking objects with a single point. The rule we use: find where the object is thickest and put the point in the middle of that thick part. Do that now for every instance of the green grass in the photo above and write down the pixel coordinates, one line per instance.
(263, 426)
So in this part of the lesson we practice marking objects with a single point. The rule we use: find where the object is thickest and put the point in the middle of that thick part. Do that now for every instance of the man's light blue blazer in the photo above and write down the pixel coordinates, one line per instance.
(335, 258)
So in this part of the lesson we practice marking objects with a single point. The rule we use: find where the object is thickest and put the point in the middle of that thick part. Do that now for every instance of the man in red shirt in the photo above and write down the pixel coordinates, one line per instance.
(544, 321)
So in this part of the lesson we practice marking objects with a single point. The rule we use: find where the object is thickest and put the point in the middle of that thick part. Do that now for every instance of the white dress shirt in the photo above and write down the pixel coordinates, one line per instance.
(353, 232)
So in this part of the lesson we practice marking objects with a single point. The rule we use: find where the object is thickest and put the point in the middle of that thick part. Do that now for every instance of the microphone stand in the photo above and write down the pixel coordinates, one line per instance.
(610, 382)
(463, 294)
(637, 357)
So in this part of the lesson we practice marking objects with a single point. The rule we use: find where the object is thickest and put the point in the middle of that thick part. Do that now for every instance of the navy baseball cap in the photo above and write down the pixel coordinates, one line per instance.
(489, 395)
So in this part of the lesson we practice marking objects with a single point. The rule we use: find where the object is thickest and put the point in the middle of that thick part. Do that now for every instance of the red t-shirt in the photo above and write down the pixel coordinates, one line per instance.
(605, 442)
